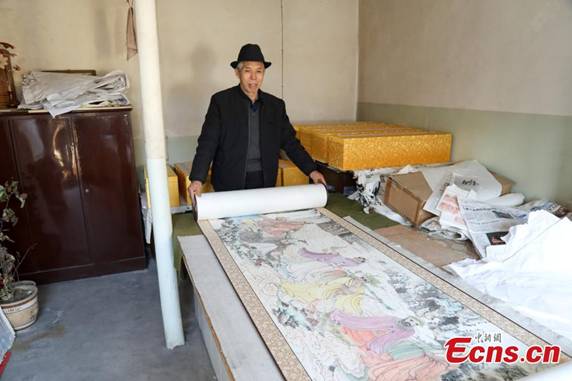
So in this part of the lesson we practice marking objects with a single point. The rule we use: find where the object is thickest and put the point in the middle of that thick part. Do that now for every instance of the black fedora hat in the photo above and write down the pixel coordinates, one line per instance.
(250, 52)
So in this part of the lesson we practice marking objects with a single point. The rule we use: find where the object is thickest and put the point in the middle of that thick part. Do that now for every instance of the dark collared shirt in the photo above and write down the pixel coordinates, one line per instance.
(253, 163)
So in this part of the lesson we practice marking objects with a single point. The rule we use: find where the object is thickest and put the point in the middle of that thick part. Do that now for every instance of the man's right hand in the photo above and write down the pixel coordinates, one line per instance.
(195, 189)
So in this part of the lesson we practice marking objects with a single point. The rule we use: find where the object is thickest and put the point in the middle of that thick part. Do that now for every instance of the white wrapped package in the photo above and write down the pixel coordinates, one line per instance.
(259, 201)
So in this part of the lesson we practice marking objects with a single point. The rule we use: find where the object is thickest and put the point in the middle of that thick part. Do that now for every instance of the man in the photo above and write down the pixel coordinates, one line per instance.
(243, 132)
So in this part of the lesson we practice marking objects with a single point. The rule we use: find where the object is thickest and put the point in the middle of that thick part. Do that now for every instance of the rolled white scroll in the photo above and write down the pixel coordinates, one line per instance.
(259, 201)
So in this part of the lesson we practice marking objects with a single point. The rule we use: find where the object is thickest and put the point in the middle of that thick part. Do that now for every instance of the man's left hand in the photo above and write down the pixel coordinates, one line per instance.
(318, 178)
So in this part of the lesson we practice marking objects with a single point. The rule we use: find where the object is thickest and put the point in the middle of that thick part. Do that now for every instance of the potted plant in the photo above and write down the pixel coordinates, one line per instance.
(18, 299)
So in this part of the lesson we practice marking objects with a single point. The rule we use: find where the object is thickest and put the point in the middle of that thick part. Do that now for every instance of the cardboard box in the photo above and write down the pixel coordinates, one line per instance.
(173, 182)
(279, 177)
(406, 194)
(506, 183)
(291, 175)
(183, 170)
(173, 185)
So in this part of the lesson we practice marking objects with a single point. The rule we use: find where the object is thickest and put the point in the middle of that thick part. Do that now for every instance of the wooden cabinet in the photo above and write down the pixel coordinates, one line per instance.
(83, 212)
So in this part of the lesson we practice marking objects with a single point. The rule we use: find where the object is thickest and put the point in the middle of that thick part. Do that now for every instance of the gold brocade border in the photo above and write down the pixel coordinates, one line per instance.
(285, 358)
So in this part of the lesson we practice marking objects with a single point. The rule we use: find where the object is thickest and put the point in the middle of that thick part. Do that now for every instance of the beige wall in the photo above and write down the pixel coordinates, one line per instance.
(308, 43)
(508, 55)
(494, 73)
(198, 40)
(321, 59)
(312, 46)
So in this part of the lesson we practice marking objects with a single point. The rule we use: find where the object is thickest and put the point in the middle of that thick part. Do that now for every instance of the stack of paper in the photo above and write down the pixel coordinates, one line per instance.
(60, 93)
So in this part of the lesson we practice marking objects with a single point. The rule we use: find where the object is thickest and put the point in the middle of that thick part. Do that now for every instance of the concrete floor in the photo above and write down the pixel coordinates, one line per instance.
(107, 328)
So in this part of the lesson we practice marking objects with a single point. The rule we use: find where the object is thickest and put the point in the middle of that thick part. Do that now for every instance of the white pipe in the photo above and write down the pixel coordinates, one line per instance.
(148, 50)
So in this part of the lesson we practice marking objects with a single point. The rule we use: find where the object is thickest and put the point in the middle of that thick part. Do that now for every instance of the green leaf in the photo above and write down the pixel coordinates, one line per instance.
(3, 194)
(4, 237)
(9, 216)
(13, 187)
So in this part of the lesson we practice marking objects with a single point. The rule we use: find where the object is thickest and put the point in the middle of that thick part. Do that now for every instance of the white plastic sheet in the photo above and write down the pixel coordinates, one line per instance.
(259, 201)
(531, 272)
(488, 188)
(467, 175)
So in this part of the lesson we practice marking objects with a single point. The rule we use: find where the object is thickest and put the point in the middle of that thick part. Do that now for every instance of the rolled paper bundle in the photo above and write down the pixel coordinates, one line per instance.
(259, 201)
(508, 200)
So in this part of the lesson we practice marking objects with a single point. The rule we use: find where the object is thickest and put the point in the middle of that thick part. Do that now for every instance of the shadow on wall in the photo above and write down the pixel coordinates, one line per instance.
(103, 38)
(203, 84)
(187, 100)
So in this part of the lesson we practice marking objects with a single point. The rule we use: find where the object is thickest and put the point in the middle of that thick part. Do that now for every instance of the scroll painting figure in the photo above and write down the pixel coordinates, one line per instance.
(349, 311)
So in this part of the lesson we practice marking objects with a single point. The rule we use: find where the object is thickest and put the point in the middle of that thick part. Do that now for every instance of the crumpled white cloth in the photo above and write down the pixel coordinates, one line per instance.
(60, 92)
(532, 272)
(371, 188)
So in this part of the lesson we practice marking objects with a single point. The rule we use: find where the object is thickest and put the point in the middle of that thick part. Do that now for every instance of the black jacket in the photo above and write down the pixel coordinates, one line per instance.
(224, 141)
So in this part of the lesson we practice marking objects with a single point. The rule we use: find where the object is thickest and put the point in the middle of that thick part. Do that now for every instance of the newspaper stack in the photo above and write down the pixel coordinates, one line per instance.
(60, 93)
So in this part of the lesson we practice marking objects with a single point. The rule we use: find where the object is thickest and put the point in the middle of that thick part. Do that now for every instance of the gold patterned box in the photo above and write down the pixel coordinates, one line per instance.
(313, 136)
(364, 152)
(279, 177)
(304, 131)
(290, 174)
(183, 170)
(320, 141)
(172, 183)
(316, 139)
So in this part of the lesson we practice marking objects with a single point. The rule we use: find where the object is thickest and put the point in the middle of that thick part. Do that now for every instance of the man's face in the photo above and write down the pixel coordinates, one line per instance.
(251, 76)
